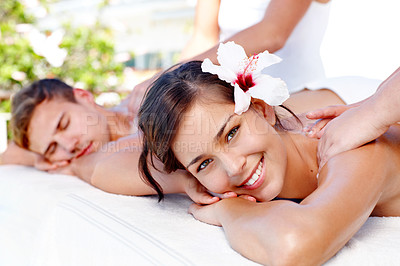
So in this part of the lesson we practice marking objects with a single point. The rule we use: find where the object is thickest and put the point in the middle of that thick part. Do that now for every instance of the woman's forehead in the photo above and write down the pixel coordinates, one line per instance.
(204, 118)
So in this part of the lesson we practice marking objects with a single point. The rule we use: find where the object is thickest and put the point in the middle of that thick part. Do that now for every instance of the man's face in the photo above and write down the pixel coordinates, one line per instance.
(61, 130)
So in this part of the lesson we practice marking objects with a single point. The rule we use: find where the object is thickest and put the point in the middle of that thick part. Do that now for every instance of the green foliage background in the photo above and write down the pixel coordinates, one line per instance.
(90, 58)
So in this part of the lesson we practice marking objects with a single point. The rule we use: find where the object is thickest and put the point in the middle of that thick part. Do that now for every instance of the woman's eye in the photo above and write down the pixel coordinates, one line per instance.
(231, 133)
(204, 164)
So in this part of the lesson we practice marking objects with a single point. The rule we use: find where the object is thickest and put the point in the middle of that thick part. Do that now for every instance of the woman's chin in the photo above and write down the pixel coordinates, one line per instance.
(270, 192)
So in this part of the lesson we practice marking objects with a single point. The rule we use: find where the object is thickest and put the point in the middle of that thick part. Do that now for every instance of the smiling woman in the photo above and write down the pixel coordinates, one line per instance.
(256, 155)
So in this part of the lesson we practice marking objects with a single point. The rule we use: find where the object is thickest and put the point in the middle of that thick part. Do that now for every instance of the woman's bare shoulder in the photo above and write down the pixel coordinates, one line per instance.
(387, 148)
(374, 167)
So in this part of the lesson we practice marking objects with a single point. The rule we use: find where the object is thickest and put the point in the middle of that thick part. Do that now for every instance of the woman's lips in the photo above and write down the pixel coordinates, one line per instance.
(86, 150)
(256, 178)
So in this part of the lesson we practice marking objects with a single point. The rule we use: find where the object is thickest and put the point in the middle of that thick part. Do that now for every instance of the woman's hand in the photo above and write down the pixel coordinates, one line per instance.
(197, 192)
(209, 213)
(205, 214)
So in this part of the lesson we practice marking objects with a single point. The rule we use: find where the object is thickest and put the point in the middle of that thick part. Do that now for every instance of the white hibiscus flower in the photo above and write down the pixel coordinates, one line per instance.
(244, 73)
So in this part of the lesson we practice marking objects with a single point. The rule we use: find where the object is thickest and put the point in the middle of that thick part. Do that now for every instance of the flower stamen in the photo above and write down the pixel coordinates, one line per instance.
(244, 74)
(245, 80)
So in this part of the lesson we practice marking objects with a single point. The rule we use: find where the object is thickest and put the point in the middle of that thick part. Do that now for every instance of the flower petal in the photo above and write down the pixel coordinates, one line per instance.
(223, 73)
(230, 55)
(272, 91)
(242, 100)
(56, 37)
(265, 59)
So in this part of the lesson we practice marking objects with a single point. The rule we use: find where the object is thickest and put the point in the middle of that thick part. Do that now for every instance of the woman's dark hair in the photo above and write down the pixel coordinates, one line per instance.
(164, 105)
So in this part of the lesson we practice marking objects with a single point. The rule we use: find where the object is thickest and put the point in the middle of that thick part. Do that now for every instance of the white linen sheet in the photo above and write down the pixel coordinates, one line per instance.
(60, 220)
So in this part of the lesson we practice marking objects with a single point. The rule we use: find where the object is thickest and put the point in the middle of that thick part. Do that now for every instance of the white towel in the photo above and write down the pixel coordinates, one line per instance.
(60, 220)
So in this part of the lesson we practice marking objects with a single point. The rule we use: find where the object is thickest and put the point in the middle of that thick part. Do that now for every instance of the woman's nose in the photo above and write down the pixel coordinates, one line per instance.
(234, 164)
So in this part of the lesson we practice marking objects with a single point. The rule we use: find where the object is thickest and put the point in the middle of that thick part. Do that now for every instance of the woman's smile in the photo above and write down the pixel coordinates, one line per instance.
(257, 177)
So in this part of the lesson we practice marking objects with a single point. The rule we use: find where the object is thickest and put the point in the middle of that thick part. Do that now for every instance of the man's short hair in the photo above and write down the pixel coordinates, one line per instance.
(25, 101)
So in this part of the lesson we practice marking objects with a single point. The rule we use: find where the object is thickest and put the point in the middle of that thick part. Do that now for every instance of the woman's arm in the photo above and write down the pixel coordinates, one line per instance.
(271, 33)
(285, 233)
(206, 29)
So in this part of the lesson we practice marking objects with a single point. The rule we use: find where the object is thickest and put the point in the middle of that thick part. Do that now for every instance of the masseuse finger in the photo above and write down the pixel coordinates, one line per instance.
(327, 112)
(314, 131)
(320, 113)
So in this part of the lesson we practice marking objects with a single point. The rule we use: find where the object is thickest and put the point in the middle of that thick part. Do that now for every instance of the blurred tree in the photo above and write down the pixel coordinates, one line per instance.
(81, 55)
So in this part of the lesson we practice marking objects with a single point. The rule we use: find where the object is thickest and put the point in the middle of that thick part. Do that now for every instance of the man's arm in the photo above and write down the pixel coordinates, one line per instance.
(17, 155)
(115, 169)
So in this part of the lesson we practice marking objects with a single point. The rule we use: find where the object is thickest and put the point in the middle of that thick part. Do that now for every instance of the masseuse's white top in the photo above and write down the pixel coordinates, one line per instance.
(301, 57)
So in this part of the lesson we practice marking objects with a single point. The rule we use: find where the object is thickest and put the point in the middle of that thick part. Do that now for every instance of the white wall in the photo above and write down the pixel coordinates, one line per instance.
(363, 38)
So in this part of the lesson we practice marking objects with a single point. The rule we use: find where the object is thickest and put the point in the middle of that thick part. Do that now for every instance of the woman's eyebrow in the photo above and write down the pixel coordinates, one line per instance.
(195, 160)
(55, 130)
(216, 138)
(222, 129)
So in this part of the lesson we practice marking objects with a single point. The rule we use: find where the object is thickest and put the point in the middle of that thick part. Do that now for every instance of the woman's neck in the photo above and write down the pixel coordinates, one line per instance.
(119, 123)
(302, 166)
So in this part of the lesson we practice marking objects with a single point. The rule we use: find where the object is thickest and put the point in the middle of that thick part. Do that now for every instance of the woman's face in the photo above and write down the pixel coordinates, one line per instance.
(62, 130)
(228, 152)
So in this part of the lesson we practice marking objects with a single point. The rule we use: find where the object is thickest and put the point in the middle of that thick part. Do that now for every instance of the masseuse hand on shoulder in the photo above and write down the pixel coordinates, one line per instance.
(357, 124)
